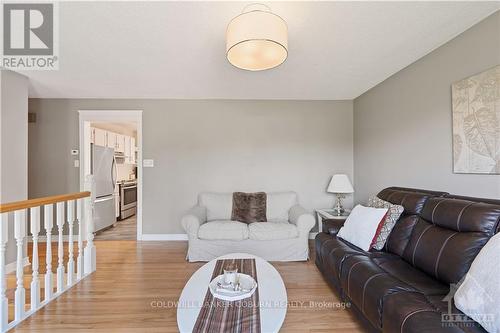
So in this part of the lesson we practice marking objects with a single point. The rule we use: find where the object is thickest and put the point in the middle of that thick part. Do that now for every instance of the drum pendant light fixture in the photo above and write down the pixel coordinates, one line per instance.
(257, 39)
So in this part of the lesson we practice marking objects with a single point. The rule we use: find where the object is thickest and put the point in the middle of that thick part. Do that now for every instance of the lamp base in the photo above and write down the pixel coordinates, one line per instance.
(338, 210)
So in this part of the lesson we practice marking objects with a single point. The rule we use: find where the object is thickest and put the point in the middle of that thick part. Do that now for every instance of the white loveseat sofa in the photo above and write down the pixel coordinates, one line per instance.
(284, 237)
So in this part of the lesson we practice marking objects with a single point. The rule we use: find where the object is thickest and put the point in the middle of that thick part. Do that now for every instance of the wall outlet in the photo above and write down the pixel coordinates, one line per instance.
(74, 152)
(148, 163)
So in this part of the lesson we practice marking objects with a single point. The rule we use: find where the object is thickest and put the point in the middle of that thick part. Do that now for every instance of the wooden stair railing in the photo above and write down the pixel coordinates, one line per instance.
(74, 208)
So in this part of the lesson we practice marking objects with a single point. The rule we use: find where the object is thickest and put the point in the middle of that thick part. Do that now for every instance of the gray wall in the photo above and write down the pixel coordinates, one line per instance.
(403, 126)
(205, 145)
(13, 145)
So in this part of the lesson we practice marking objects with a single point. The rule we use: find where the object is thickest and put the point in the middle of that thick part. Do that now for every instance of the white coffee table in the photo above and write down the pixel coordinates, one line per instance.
(271, 289)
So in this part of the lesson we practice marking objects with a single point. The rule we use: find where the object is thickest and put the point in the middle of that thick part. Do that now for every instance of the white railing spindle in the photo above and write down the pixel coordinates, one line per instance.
(4, 303)
(71, 264)
(60, 248)
(35, 283)
(90, 253)
(79, 258)
(19, 234)
(48, 220)
(82, 203)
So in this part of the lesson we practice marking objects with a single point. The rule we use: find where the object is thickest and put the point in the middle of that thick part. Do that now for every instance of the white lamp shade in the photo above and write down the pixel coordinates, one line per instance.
(340, 184)
(257, 40)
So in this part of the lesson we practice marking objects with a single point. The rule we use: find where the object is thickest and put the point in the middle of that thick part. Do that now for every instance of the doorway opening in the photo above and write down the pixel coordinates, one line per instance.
(111, 150)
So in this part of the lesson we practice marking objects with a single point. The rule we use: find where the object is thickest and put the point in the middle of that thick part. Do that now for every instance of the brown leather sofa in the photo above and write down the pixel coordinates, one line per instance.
(404, 288)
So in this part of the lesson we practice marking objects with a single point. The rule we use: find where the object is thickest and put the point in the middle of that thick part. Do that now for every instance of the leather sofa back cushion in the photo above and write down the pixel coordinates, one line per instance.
(462, 215)
(249, 207)
(413, 202)
(449, 235)
(400, 235)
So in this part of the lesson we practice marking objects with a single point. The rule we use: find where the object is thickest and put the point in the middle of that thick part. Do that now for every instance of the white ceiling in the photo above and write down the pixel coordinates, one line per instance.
(337, 50)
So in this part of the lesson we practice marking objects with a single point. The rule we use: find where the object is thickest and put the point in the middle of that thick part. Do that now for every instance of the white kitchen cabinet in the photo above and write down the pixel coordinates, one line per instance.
(111, 140)
(132, 150)
(100, 137)
(127, 149)
(120, 143)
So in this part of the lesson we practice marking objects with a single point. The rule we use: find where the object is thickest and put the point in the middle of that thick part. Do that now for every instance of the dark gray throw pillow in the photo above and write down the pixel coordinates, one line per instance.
(249, 207)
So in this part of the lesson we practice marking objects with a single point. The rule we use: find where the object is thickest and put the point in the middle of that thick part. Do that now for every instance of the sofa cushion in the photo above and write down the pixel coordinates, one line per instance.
(272, 231)
(415, 313)
(400, 235)
(339, 250)
(330, 252)
(442, 253)
(348, 270)
(228, 230)
(249, 207)
(449, 235)
(367, 285)
(410, 312)
(417, 279)
(279, 204)
(219, 205)
(411, 199)
(462, 215)
(335, 250)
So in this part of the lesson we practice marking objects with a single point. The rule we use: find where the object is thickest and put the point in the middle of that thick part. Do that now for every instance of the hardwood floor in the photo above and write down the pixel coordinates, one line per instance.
(121, 230)
(131, 276)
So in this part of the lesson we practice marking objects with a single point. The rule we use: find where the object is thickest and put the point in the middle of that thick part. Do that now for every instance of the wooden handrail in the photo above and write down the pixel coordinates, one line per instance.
(17, 205)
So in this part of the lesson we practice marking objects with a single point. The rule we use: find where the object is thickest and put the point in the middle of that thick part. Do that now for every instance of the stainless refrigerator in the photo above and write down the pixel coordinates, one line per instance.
(104, 171)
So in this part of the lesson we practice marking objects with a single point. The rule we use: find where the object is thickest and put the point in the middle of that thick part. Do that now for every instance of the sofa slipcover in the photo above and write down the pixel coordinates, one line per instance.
(284, 237)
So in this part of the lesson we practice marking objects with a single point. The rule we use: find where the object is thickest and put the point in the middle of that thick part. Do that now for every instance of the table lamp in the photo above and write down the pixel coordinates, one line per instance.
(340, 186)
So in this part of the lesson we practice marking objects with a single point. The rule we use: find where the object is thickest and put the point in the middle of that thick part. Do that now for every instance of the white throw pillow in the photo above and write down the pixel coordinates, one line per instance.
(219, 205)
(361, 226)
(479, 294)
(279, 204)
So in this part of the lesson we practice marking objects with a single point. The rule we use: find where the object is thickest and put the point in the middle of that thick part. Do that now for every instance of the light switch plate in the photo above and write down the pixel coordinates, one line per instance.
(76, 163)
(148, 163)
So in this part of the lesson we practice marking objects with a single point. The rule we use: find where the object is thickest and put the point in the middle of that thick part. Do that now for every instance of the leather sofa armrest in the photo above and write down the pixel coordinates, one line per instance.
(191, 222)
(303, 219)
(332, 226)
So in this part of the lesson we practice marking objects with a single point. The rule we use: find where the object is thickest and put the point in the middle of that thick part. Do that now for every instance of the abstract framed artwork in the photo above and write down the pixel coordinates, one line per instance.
(476, 123)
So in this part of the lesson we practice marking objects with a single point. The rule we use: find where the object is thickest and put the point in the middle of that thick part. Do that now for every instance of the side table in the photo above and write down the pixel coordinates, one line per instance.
(328, 214)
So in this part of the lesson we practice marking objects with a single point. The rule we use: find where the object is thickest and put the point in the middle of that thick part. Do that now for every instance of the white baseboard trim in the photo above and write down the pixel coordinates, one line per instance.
(9, 268)
(312, 235)
(164, 237)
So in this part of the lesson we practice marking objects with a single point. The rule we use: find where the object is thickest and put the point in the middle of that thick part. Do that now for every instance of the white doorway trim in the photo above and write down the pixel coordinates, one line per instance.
(86, 116)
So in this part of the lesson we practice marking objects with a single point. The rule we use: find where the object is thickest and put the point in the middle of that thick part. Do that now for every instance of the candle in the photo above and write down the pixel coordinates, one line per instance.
(230, 274)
